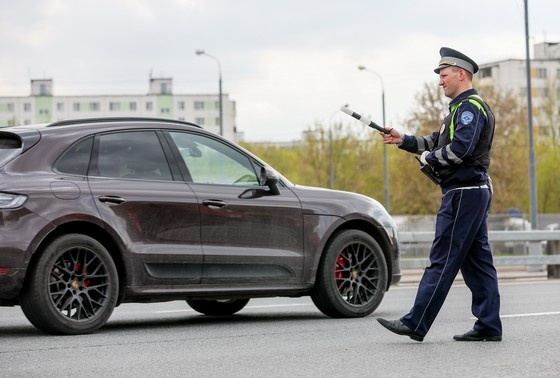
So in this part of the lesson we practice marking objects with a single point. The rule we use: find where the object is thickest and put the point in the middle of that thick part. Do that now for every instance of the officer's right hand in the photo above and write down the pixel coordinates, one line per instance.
(392, 137)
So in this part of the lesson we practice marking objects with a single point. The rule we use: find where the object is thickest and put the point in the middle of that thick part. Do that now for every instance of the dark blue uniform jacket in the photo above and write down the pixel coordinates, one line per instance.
(464, 160)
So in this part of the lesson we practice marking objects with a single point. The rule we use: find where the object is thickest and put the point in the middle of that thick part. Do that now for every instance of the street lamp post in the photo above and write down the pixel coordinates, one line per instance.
(532, 171)
(202, 52)
(385, 162)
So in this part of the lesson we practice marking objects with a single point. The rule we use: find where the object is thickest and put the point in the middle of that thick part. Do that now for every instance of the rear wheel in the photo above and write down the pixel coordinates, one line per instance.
(217, 307)
(352, 276)
(72, 288)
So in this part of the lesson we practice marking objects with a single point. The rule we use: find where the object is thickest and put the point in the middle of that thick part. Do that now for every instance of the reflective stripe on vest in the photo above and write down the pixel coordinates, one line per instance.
(473, 99)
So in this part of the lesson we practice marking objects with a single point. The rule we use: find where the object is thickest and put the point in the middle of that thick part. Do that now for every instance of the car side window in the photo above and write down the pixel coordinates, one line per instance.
(75, 160)
(131, 154)
(210, 161)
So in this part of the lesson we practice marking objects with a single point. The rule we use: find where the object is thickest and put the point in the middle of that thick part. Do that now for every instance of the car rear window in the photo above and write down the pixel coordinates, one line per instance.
(10, 147)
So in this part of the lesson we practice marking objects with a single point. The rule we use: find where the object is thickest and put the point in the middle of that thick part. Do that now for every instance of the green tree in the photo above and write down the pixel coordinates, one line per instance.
(547, 151)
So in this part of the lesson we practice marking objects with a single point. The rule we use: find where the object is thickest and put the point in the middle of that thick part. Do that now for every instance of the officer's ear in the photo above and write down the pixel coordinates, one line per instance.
(464, 74)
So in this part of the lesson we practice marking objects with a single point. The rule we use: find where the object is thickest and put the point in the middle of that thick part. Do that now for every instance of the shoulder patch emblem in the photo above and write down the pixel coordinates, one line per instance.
(466, 117)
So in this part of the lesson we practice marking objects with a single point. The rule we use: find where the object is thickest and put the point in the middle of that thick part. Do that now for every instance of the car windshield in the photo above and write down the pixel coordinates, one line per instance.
(10, 147)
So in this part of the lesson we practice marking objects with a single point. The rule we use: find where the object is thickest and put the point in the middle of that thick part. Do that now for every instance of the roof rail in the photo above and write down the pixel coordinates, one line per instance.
(69, 122)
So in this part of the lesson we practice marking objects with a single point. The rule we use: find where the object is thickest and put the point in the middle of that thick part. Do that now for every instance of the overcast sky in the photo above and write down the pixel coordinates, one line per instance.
(286, 63)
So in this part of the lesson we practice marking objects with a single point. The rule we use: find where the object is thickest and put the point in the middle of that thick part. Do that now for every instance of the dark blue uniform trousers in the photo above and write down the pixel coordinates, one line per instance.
(461, 243)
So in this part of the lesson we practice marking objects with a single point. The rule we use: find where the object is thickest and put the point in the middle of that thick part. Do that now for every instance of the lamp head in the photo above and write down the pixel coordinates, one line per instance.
(199, 52)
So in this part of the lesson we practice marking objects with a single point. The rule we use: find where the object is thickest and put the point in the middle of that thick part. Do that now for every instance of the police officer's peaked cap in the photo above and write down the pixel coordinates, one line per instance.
(454, 58)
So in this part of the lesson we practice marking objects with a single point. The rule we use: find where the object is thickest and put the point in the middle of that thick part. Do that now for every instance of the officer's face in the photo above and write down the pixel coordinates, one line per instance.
(449, 80)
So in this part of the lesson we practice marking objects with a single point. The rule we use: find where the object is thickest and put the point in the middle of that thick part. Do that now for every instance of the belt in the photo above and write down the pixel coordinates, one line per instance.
(485, 186)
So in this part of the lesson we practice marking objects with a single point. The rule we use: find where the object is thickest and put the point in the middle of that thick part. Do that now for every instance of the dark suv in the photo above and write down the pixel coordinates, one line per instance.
(98, 212)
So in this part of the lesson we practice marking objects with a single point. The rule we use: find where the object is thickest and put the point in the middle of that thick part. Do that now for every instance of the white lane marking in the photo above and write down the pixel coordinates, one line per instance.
(530, 314)
(527, 315)
(248, 307)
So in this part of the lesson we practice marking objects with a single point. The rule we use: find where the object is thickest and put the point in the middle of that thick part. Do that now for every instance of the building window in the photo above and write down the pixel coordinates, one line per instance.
(542, 92)
(76, 106)
(114, 106)
(217, 121)
(27, 107)
(216, 104)
(199, 121)
(94, 106)
(181, 105)
(132, 106)
(44, 112)
(198, 105)
(485, 72)
(43, 90)
(59, 106)
(541, 73)
(165, 110)
(149, 106)
(164, 88)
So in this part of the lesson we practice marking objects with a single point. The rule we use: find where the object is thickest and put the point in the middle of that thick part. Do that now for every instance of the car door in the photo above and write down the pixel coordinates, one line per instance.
(248, 234)
(155, 216)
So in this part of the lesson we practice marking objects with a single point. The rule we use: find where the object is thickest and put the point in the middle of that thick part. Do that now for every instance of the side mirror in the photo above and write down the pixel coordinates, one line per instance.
(269, 177)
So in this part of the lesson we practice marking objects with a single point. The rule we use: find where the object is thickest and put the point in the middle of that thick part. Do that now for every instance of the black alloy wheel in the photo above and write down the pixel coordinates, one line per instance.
(72, 288)
(352, 277)
(217, 307)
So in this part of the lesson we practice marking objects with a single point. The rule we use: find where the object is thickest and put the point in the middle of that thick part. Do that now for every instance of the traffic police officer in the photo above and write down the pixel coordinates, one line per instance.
(457, 157)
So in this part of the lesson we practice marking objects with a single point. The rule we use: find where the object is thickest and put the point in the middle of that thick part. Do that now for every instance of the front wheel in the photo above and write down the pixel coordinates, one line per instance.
(352, 276)
(72, 288)
(217, 307)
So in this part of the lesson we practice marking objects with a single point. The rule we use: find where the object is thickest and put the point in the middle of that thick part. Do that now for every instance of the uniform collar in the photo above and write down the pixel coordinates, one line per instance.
(462, 96)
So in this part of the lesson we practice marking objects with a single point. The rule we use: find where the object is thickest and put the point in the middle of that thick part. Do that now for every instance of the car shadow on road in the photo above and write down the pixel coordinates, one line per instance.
(203, 320)
(181, 321)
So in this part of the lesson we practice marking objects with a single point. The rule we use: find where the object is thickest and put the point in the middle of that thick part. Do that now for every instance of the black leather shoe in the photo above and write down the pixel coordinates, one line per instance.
(397, 327)
(473, 335)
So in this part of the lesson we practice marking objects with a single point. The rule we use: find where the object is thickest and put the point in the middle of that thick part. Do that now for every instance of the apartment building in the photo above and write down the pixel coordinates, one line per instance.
(511, 75)
(43, 106)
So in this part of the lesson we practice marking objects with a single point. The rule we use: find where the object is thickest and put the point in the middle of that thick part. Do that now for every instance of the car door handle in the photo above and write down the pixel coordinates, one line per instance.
(111, 199)
(214, 204)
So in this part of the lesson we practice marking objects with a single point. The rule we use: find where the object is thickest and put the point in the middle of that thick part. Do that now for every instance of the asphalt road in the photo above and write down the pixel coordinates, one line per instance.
(291, 338)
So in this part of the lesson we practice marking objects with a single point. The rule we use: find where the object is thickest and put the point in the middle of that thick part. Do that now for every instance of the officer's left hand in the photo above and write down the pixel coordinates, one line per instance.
(423, 157)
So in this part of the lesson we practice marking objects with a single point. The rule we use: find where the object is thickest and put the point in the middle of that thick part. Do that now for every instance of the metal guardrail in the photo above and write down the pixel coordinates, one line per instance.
(531, 237)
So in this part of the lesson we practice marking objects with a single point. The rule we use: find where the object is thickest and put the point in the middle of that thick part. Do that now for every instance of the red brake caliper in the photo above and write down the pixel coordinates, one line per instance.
(340, 265)
(77, 270)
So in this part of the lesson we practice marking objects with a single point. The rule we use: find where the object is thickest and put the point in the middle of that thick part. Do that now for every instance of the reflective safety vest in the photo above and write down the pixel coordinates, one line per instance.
(481, 154)
(476, 100)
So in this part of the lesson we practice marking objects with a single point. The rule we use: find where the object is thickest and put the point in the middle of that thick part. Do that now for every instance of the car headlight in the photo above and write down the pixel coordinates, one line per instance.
(11, 201)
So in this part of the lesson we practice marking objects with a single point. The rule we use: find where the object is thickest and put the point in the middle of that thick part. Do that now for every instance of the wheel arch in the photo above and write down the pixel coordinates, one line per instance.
(95, 232)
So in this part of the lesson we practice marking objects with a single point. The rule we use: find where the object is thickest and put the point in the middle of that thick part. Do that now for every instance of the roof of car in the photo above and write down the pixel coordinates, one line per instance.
(85, 121)
(101, 124)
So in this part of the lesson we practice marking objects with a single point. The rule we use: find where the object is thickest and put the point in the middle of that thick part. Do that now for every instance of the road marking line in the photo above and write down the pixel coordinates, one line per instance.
(527, 315)
(533, 314)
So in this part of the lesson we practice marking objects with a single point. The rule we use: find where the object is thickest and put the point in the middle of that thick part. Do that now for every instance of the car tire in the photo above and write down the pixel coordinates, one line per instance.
(352, 276)
(72, 288)
(217, 307)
